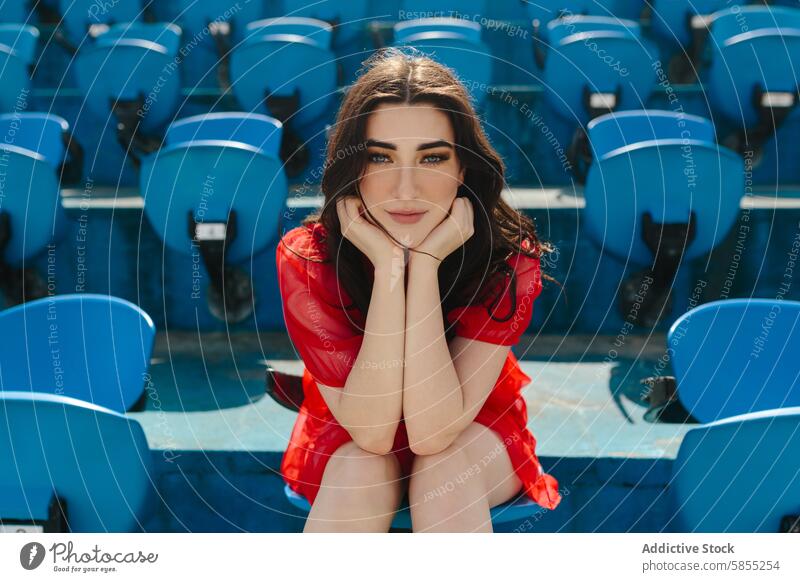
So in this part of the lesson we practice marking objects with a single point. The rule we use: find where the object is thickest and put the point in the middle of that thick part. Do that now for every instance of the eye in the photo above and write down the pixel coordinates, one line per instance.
(432, 159)
(377, 158)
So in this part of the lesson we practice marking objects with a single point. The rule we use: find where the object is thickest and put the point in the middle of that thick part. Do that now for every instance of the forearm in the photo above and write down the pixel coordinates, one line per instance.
(433, 400)
(370, 405)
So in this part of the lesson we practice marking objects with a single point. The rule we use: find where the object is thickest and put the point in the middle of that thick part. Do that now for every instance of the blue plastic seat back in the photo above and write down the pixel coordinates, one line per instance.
(615, 130)
(42, 133)
(413, 9)
(22, 38)
(150, 77)
(766, 57)
(95, 348)
(14, 11)
(670, 179)
(79, 15)
(469, 30)
(14, 81)
(454, 43)
(736, 20)
(738, 356)
(547, 11)
(96, 460)
(282, 65)
(316, 30)
(17, 51)
(211, 178)
(739, 474)
(616, 62)
(260, 131)
(518, 509)
(196, 15)
(31, 199)
(351, 16)
(671, 18)
(560, 28)
(166, 34)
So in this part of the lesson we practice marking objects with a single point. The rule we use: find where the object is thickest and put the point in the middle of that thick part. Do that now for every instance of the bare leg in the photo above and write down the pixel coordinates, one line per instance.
(360, 492)
(452, 491)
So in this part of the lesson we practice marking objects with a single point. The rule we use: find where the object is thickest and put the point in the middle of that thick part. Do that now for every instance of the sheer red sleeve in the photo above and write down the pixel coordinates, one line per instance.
(322, 329)
(508, 309)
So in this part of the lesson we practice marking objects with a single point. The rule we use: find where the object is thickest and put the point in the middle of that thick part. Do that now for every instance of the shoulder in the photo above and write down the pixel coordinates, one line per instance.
(527, 272)
(302, 256)
(522, 275)
(304, 242)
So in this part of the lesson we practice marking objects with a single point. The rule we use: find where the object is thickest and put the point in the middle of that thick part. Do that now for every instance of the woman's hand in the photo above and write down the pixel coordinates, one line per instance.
(368, 238)
(452, 232)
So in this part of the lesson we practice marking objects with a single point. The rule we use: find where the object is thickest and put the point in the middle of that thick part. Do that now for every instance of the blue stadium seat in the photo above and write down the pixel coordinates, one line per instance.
(197, 16)
(348, 19)
(518, 509)
(69, 465)
(286, 68)
(17, 54)
(260, 131)
(593, 65)
(43, 133)
(78, 15)
(659, 191)
(211, 29)
(675, 22)
(737, 356)
(617, 130)
(94, 348)
(31, 216)
(761, 91)
(544, 11)
(291, 76)
(15, 11)
(143, 99)
(454, 42)
(219, 199)
(739, 474)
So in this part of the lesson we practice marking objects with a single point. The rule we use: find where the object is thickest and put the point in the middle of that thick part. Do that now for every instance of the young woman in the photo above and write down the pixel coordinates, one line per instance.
(403, 297)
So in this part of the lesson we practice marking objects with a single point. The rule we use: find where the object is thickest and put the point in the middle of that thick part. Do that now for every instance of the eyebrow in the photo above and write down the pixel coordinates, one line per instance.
(422, 146)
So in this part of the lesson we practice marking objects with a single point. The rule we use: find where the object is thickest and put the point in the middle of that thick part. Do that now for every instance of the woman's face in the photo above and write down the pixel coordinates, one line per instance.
(412, 173)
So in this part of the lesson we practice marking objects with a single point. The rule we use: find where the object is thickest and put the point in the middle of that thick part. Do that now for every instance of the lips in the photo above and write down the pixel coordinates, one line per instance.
(406, 216)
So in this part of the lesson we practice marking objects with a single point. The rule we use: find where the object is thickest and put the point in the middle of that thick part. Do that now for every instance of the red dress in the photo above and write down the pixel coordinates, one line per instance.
(327, 336)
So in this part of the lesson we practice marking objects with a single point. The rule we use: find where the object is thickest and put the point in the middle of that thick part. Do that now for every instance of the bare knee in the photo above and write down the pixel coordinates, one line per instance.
(360, 491)
(361, 472)
(454, 468)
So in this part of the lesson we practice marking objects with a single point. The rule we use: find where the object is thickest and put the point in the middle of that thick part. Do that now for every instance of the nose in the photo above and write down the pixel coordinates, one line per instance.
(405, 186)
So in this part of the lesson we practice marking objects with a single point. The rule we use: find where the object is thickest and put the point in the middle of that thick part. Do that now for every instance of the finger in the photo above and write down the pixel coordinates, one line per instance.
(346, 219)
(354, 209)
(341, 211)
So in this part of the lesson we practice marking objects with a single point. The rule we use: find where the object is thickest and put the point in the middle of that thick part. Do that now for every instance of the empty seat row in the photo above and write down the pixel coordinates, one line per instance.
(217, 187)
(736, 373)
(659, 191)
(287, 68)
(70, 458)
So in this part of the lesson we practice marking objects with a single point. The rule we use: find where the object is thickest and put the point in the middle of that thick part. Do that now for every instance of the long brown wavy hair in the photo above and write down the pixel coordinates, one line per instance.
(398, 76)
